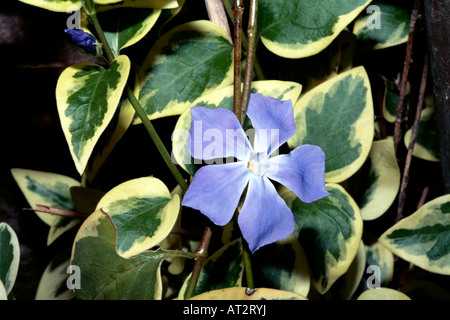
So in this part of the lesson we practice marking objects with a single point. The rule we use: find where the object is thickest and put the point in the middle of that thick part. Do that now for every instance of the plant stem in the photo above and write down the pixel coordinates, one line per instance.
(412, 141)
(238, 9)
(202, 252)
(404, 83)
(216, 14)
(59, 212)
(256, 66)
(251, 48)
(156, 139)
(248, 269)
(90, 11)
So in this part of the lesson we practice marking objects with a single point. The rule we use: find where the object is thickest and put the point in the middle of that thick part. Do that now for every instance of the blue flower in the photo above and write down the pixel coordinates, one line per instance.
(83, 39)
(217, 189)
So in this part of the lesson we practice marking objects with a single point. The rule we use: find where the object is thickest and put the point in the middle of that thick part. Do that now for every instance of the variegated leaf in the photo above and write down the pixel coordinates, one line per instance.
(383, 182)
(198, 57)
(385, 24)
(223, 98)
(143, 213)
(48, 189)
(248, 294)
(427, 140)
(282, 265)
(9, 256)
(107, 276)
(422, 238)
(338, 117)
(87, 96)
(383, 294)
(53, 283)
(330, 231)
(301, 28)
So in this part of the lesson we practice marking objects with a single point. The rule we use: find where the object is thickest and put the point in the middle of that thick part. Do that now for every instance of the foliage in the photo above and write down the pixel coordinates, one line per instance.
(138, 241)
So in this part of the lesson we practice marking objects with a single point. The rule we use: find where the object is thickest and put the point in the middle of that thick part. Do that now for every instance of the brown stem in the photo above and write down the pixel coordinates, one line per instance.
(404, 83)
(238, 10)
(202, 252)
(412, 141)
(251, 47)
(59, 212)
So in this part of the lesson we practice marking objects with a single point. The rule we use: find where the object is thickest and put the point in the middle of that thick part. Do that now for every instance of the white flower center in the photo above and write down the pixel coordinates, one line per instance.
(258, 163)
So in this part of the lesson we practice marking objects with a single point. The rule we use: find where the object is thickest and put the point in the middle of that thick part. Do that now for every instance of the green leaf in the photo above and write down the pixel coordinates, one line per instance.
(107, 276)
(383, 294)
(126, 26)
(347, 284)
(427, 141)
(302, 28)
(248, 294)
(338, 117)
(282, 265)
(393, 29)
(87, 97)
(187, 62)
(9, 256)
(422, 238)
(223, 98)
(53, 283)
(55, 5)
(378, 255)
(3, 294)
(383, 182)
(48, 189)
(330, 231)
(221, 270)
(143, 213)
(390, 102)
(115, 130)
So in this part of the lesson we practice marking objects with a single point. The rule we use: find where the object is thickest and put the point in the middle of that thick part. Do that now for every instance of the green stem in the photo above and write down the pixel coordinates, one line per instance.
(156, 139)
(202, 252)
(251, 48)
(248, 269)
(88, 6)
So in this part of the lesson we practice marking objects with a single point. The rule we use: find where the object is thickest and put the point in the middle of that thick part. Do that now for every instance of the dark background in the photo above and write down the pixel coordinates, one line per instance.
(34, 50)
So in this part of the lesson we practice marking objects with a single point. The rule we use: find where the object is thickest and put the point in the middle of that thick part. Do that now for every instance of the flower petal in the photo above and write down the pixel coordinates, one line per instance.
(83, 39)
(265, 217)
(216, 133)
(302, 171)
(216, 190)
(273, 121)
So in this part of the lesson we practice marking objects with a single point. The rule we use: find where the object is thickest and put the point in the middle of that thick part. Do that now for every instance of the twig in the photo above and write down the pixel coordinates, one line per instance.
(238, 10)
(412, 141)
(216, 14)
(58, 212)
(404, 83)
(251, 47)
(423, 197)
(202, 252)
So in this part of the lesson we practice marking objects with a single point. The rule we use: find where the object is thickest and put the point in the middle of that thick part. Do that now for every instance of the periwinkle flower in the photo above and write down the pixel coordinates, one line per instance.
(216, 189)
(83, 39)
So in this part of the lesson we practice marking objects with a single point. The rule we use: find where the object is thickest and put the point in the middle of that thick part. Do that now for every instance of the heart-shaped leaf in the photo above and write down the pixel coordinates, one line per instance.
(87, 96)
(105, 275)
